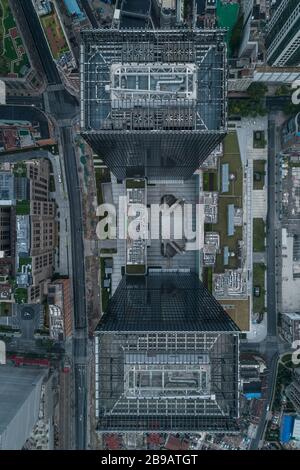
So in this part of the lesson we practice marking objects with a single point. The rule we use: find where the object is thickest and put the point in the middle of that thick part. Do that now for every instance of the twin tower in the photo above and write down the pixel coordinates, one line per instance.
(153, 106)
(153, 103)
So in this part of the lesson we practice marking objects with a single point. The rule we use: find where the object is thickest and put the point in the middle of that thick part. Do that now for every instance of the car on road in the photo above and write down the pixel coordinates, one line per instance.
(256, 291)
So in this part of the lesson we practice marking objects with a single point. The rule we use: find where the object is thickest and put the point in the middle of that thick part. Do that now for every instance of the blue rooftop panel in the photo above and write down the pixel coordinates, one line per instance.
(73, 8)
(286, 430)
(252, 395)
(230, 220)
(225, 178)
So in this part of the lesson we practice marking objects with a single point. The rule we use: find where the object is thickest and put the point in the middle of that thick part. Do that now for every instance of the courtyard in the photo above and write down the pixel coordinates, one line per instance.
(14, 61)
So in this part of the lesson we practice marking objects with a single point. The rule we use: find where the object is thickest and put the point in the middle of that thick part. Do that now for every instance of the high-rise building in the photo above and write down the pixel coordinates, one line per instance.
(165, 359)
(20, 393)
(5, 231)
(283, 34)
(6, 213)
(153, 103)
(175, 381)
(165, 301)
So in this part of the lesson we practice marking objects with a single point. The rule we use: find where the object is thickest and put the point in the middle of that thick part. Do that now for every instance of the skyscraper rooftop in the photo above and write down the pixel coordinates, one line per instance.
(167, 382)
(153, 80)
(153, 103)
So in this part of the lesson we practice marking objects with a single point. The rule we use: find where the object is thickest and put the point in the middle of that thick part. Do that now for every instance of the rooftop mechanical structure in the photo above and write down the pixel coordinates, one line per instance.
(153, 103)
(166, 382)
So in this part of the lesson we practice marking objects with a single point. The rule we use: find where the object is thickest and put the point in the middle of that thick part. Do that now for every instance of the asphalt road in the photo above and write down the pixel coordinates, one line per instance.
(81, 334)
(30, 113)
(271, 379)
(26, 100)
(271, 232)
(277, 103)
(271, 347)
(76, 227)
(39, 39)
(65, 107)
(79, 300)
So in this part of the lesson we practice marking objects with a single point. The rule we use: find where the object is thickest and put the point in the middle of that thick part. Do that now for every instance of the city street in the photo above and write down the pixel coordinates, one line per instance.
(272, 346)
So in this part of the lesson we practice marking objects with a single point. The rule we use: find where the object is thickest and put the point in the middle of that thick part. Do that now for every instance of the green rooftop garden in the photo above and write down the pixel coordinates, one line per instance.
(23, 207)
(13, 55)
(135, 269)
(21, 295)
(20, 169)
(259, 141)
(135, 183)
(259, 174)
(5, 309)
(231, 155)
(26, 261)
(258, 235)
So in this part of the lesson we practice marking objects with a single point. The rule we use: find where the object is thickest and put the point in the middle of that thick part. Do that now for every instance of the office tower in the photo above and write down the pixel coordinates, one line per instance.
(20, 393)
(5, 230)
(283, 34)
(165, 360)
(153, 103)
(165, 301)
(160, 382)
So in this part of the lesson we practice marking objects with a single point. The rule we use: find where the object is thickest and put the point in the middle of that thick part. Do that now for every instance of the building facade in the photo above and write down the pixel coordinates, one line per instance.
(27, 229)
(290, 136)
(156, 94)
(5, 229)
(293, 390)
(162, 301)
(174, 363)
(175, 381)
(290, 327)
(283, 34)
(60, 309)
(153, 106)
(20, 394)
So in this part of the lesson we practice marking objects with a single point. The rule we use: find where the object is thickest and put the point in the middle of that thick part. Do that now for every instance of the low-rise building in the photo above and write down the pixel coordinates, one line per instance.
(290, 136)
(20, 394)
(28, 231)
(290, 326)
(293, 390)
(60, 309)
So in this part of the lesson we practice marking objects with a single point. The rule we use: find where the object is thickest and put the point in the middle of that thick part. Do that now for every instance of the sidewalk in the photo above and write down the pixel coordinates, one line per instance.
(63, 258)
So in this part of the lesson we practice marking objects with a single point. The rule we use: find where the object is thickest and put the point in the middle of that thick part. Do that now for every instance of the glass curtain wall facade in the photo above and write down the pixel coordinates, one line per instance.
(147, 96)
